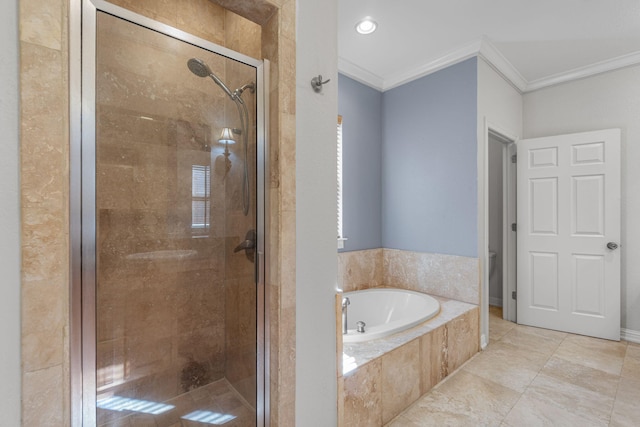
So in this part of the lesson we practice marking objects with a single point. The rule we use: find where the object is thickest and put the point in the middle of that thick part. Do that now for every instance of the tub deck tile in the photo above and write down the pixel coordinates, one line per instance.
(361, 353)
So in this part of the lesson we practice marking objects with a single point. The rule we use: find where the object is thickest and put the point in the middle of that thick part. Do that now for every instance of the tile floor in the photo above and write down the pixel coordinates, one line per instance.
(536, 377)
(217, 403)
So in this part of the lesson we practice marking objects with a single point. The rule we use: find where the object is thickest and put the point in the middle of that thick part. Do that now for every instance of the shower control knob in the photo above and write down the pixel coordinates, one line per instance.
(612, 245)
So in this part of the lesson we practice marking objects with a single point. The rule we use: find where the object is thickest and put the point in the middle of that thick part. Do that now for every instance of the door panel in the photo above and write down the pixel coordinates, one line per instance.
(569, 209)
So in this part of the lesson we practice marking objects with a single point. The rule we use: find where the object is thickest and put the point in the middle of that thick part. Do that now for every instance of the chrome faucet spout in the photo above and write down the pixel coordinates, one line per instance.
(345, 304)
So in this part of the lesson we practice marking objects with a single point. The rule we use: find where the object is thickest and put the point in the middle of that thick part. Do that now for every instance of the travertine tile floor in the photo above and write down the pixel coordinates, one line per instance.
(217, 403)
(536, 377)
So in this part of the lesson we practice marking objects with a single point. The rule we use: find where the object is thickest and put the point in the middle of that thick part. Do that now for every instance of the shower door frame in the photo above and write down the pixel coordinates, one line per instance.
(82, 216)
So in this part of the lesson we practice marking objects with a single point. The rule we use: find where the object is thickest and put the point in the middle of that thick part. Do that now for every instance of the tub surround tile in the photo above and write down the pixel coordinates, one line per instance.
(360, 270)
(368, 350)
(400, 369)
(462, 339)
(340, 396)
(363, 396)
(449, 276)
(433, 353)
(414, 361)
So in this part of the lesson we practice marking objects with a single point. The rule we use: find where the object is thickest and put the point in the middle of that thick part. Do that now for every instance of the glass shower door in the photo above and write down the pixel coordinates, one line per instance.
(175, 207)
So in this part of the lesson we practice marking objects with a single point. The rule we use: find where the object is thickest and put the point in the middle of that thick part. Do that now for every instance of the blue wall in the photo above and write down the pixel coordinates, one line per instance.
(361, 110)
(410, 163)
(429, 152)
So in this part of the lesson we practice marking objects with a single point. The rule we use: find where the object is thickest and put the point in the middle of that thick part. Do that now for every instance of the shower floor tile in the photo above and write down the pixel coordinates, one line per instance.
(217, 403)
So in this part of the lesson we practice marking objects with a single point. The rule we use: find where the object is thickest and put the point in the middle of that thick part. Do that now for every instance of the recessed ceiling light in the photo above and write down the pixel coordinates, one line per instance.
(366, 26)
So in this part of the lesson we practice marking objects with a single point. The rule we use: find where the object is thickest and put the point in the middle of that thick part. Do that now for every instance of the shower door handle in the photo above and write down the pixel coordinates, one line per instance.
(247, 244)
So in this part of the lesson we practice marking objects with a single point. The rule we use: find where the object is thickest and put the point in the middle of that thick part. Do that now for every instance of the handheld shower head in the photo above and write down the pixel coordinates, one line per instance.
(198, 67)
(201, 69)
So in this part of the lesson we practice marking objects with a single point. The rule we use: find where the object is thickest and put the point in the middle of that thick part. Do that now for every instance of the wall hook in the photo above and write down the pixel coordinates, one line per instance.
(316, 83)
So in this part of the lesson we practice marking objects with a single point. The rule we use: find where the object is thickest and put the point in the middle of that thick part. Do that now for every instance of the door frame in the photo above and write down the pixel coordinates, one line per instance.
(509, 272)
(82, 211)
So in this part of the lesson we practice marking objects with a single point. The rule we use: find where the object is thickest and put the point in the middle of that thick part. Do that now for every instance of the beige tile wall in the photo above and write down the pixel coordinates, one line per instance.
(449, 276)
(358, 270)
(278, 45)
(377, 391)
(169, 324)
(45, 190)
(45, 214)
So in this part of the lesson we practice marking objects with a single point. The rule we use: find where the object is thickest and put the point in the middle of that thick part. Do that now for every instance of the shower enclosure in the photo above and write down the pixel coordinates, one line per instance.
(172, 219)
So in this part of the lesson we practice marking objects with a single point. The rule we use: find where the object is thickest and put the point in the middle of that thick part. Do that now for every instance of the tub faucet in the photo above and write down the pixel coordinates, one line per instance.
(345, 303)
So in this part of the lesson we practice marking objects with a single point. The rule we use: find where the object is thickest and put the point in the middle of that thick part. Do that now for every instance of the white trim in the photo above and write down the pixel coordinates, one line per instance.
(341, 241)
(359, 74)
(484, 48)
(497, 302)
(630, 335)
(483, 223)
(587, 71)
(498, 62)
(458, 55)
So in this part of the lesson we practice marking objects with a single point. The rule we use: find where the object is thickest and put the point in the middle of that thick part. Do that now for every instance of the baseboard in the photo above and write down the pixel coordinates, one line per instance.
(630, 335)
(495, 301)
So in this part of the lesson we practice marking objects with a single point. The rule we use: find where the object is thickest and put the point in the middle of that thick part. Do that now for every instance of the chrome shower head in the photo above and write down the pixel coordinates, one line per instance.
(198, 67)
(201, 69)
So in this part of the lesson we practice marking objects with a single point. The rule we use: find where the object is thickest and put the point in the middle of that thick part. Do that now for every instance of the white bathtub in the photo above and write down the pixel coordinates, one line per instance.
(386, 311)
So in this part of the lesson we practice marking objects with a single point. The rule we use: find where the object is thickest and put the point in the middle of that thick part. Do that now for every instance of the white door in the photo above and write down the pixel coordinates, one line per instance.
(568, 232)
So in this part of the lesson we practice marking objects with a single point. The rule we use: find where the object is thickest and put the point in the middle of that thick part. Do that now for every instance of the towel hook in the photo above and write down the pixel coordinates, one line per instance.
(316, 83)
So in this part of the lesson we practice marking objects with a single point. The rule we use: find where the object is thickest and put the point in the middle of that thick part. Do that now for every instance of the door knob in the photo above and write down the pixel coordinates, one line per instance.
(612, 245)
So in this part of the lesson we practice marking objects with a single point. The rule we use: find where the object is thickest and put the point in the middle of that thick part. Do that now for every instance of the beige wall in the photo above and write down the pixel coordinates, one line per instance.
(44, 168)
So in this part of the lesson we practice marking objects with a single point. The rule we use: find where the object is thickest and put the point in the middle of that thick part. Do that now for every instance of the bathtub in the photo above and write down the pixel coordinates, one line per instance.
(386, 311)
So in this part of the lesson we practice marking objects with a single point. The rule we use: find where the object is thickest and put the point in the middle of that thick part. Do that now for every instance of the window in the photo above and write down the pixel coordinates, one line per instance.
(200, 198)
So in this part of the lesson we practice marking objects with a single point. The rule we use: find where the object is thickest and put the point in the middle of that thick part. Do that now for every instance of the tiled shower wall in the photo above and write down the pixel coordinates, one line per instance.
(44, 52)
(449, 276)
(171, 323)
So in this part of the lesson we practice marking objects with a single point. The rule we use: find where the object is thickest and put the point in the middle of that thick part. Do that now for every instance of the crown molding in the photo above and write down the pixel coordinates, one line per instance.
(498, 62)
(359, 74)
(462, 53)
(483, 48)
(587, 71)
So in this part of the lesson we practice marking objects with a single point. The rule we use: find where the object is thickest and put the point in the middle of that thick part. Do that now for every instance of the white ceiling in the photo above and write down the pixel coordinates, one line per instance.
(534, 43)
